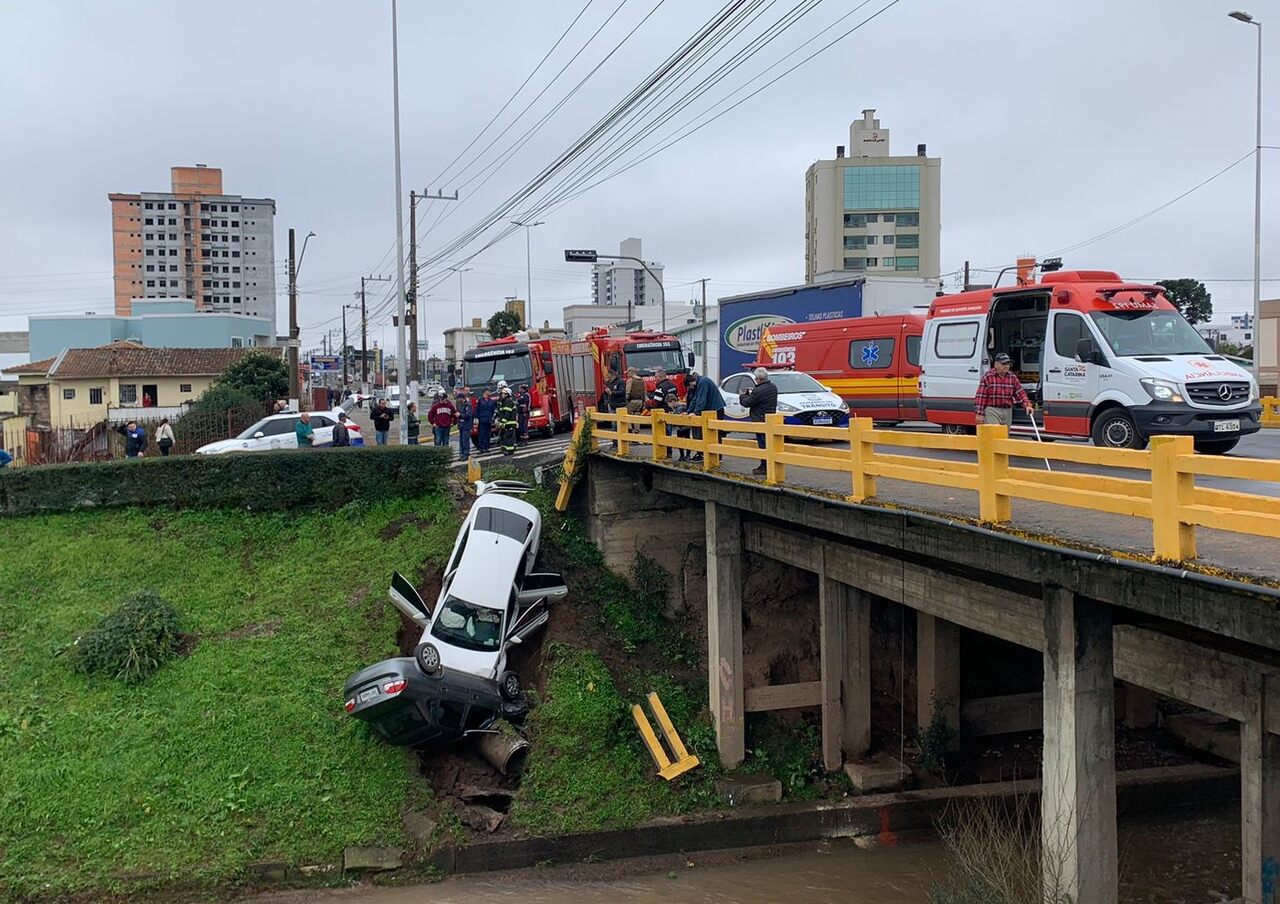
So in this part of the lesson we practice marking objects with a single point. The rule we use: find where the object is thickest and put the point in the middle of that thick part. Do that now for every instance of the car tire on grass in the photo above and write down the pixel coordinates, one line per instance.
(509, 686)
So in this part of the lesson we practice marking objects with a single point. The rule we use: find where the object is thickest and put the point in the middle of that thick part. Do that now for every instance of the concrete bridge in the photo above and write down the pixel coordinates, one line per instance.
(1107, 629)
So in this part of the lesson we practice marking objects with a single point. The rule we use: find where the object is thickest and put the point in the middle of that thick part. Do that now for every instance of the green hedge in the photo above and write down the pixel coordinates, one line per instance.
(261, 481)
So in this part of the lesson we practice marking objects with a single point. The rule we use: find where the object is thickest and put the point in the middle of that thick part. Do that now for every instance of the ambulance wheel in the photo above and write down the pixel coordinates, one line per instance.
(1114, 429)
(1216, 446)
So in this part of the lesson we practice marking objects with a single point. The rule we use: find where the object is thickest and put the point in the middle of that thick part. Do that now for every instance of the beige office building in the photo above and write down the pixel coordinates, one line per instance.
(871, 213)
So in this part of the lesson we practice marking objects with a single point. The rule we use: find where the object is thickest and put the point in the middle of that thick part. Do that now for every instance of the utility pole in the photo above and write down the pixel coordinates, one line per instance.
(294, 389)
(414, 198)
(345, 345)
(528, 272)
(704, 328)
(364, 329)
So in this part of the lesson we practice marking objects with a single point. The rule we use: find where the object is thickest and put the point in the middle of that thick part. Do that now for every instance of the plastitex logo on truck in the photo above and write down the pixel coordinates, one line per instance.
(744, 335)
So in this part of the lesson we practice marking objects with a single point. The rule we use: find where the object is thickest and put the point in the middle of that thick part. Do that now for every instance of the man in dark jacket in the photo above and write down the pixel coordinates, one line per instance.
(760, 400)
(135, 439)
(664, 398)
(466, 414)
(486, 408)
(524, 404)
(704, 396)
(381, 416)
(341, 435)
(616, 390)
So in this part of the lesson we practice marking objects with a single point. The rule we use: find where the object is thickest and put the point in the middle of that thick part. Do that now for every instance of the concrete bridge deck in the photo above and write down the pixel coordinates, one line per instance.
(1254, 557)
(1094, 619)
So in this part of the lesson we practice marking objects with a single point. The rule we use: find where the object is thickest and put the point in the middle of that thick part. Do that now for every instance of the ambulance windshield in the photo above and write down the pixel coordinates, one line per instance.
(1149, 333)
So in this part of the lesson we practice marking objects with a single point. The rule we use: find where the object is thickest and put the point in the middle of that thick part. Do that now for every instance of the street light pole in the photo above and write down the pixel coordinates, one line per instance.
(1257, 194)
(462, 319)
(402, 351)
(590, 257)
(528, 272)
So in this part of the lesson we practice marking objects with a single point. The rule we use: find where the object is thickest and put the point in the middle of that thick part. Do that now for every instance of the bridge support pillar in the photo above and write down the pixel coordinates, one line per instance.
(845, 628)
(938, 673)
(724, 631)
(1078, 787)
(1259, 803)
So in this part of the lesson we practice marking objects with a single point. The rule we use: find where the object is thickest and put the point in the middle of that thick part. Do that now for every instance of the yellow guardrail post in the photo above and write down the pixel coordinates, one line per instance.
(680, 761)
(622, 430)
(774, 437)
(1171, 489)
(710, 438)
(861, 454)
(591, 415)
(1270, 411)
(659, 434)
(993, 466)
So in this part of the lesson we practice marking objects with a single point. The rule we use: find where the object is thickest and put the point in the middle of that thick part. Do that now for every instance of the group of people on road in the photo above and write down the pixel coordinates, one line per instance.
(136, 440)
(506, 411)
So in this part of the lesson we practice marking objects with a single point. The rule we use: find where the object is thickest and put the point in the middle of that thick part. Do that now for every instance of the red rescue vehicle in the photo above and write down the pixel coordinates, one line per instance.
(522, 359)
(600, 348)
(872, 363)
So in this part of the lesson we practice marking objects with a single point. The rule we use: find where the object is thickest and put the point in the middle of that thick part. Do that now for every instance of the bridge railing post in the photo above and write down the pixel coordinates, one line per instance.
(622, 429)
(591, 414)
(862, 451)
(774, 438)
(710, 439)
(993, 466)
(1171, 489)
(659, 434)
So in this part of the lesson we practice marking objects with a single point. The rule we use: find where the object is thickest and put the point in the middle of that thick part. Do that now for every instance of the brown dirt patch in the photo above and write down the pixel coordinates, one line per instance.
(396, 527)
(266, 628)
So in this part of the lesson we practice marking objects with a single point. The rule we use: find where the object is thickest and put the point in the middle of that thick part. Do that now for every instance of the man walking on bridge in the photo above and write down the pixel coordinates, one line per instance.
(998, 391)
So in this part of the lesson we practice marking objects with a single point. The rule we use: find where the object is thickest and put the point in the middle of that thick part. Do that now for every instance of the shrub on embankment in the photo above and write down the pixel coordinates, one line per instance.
(261, 481)
(237, 750)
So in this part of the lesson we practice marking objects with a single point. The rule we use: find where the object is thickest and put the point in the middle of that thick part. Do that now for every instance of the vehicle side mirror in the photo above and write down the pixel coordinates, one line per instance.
(513, 640)
(259, 435)
(1086, 351)
(689, 357)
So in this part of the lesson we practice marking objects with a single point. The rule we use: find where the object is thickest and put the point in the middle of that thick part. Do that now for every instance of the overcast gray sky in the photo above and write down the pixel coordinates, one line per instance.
(1055, 122)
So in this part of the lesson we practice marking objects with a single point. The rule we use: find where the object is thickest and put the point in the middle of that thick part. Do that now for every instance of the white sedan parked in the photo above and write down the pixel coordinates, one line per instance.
(801, 399)
(276, 431)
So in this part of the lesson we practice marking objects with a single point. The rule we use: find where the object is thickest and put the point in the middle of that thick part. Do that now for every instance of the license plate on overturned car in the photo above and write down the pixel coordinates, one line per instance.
(369, 694)
(1226, 426)
(822, 420)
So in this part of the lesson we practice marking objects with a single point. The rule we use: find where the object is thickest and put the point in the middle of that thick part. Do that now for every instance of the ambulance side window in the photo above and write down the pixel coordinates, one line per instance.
(1068, 330)
(871, 354)
(913, 350)
(956, 340)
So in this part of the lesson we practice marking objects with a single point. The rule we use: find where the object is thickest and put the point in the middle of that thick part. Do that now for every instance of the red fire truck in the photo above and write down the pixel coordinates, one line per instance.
(521, 360)
(584, 361)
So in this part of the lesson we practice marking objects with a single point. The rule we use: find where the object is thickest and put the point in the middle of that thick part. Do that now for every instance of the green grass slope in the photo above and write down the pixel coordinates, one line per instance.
(238, 751)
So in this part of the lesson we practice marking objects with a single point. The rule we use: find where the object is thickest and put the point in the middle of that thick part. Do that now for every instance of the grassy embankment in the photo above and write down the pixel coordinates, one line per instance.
(237, 752)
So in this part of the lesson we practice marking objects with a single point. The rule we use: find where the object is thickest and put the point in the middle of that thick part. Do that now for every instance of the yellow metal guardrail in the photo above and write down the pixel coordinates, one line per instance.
(681, 760)
(1166, 494)
(1270, 411)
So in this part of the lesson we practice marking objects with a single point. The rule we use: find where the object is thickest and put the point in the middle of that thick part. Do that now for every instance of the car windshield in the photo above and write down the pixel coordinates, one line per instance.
(647, 360)
(515, 369)
(791, 381)
(248, 432)
(468, 626)
(1149, 333)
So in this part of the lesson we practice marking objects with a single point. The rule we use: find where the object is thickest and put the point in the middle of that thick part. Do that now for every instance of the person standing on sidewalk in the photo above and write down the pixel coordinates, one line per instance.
(415, 424)
(164, 437)
(135, 439)
(704, 396)
(341, 435)
(524, 404)
(466, 414)
(664, 398)
(486, 409)
(441, 417)
(382, 417)
(998, 391)
(304, 432)
(760, 401)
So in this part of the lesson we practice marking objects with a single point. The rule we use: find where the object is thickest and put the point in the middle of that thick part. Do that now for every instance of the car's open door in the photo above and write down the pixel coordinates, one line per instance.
(532, 618)
(405, 597)
(545, 586)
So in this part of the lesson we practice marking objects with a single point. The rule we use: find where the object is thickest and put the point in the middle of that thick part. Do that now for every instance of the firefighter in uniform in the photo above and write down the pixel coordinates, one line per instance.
(507, 421)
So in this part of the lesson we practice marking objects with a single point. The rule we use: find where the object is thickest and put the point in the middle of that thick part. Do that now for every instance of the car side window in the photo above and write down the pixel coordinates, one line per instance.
(733, 385)
(280, 427)
(913, 350)
(462, 547)
(319, 420)
(871, 354)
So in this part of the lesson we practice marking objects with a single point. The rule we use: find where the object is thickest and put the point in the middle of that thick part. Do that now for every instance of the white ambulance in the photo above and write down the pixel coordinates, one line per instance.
(1099, 357)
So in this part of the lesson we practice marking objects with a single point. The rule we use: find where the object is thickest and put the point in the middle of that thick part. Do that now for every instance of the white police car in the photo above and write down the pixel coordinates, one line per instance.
(276, 431)
(801, 399)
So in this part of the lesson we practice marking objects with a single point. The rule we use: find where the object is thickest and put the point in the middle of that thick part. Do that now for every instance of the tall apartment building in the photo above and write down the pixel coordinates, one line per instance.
(195, 242)
(626, 282)
(870, 212)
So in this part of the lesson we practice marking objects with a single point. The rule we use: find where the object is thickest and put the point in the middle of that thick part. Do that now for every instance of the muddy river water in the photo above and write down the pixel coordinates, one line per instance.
(1182, 859)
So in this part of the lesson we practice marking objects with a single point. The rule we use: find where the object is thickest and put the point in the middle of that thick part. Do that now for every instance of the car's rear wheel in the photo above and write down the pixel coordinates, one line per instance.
(957, 430)
(428, 658)
(509, 686)
(1216, 446)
